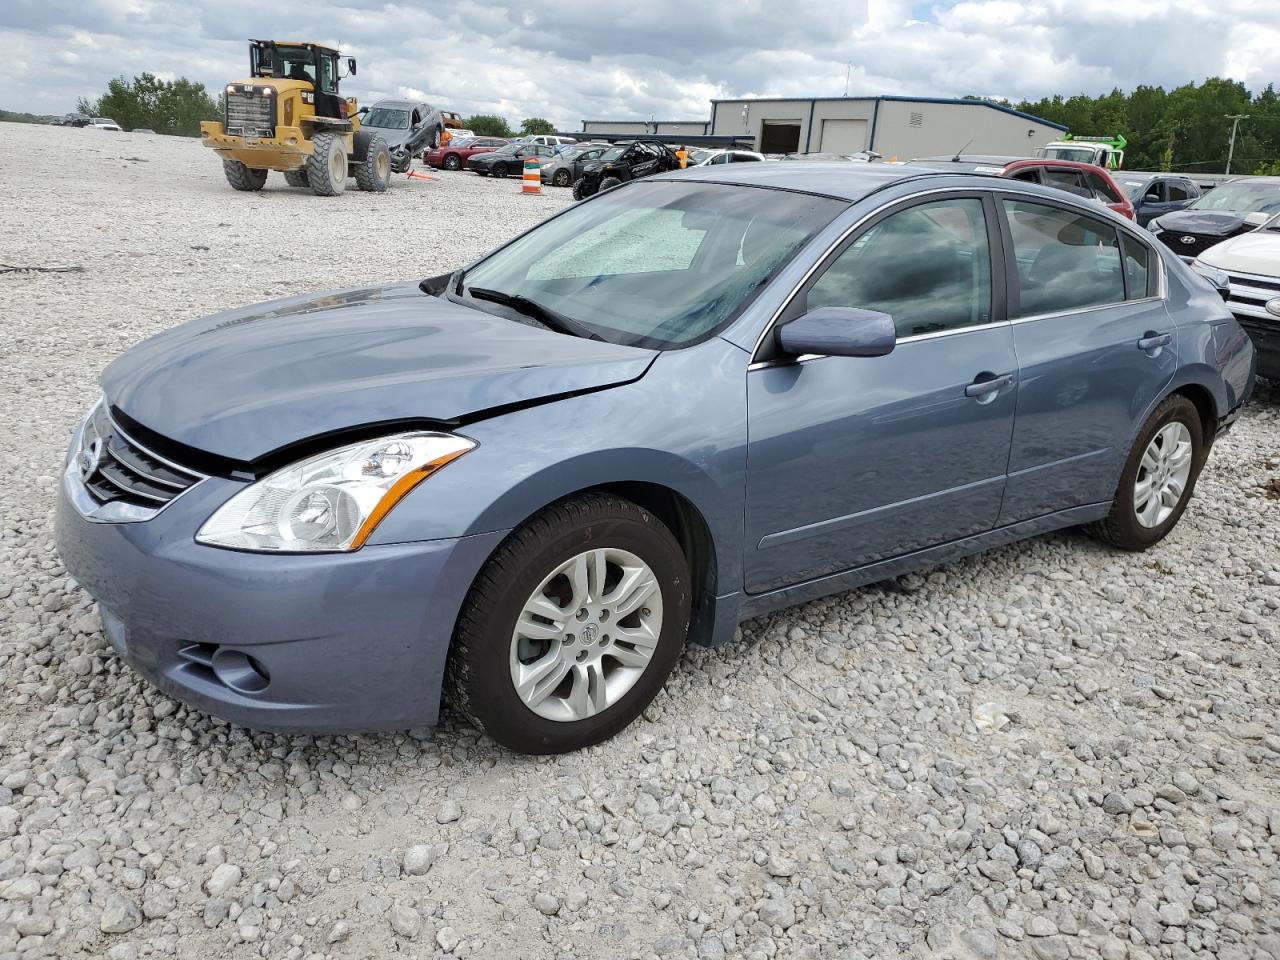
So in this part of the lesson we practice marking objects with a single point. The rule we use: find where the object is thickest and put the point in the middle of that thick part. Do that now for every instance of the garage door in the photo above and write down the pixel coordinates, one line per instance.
(780, 136)
(843, 136)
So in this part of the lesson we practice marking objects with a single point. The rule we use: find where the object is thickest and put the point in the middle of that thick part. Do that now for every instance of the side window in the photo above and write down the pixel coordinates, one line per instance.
(928, 267)
(1068, 180)
(1139, 281)
(1027, 176)
(1178, 191)
(1101, 189)
(328, 74)
(1066, 261)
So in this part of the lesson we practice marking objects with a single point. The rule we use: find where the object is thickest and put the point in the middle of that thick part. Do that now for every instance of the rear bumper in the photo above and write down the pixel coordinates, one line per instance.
(326, 643)
(287, 150)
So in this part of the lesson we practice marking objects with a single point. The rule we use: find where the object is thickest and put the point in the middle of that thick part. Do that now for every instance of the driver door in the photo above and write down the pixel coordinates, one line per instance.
(851, 461)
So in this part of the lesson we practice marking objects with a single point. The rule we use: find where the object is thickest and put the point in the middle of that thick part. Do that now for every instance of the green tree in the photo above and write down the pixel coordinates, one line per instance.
(535, 125)
(165, 106)
(488, 125)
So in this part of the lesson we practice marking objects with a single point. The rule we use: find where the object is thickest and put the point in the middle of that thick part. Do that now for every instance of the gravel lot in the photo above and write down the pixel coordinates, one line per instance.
(819, 789)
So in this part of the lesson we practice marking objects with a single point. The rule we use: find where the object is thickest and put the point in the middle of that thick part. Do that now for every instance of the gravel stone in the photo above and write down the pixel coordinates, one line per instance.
(816, 788)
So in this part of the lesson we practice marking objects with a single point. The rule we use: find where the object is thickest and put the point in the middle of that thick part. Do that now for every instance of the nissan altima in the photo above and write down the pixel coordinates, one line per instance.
(688, 400)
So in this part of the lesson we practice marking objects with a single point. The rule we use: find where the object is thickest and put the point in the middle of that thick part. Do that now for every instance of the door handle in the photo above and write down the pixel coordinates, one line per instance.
(1153, 341)
(983, 388)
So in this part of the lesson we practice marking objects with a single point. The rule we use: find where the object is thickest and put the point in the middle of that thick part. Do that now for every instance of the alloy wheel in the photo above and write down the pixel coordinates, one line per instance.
(1163, 473)
(586, 635)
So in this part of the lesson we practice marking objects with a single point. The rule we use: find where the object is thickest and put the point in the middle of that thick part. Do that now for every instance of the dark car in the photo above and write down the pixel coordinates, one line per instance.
(1236, 207)
(1082, 179)
(458, 153)
(1155, 194)
(407, 126)
(509, 159)
(566, 169)
(628, 160)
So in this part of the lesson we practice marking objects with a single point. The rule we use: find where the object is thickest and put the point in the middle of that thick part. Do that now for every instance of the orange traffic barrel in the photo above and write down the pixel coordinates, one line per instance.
(531, 183)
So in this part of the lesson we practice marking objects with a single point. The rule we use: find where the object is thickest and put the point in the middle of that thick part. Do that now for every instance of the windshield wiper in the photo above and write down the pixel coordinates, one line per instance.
(531, 308)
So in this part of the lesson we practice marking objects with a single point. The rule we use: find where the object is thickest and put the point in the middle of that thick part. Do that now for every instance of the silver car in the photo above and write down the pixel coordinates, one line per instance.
(567, 166)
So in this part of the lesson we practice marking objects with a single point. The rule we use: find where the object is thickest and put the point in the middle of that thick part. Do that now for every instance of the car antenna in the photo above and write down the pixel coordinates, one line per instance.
(956, 158)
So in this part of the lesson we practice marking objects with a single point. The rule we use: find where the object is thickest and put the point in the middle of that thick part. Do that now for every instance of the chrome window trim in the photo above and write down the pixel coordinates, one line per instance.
(914, 338)
(997, 193)
(115, 511)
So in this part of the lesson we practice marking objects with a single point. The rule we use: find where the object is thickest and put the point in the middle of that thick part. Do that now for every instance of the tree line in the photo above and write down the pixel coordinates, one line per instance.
(1185, 129)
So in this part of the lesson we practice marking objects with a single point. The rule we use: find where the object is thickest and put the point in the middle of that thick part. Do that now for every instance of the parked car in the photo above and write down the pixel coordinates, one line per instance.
(693, 399)
(509, 159)
(465, 135)
(566, 167)
(716, 157)
(458, 152)
(624, 161)
(407, 126)
(1234, 208)
(1247, 266)
(73, 120)
(105, 123)
(546, 139)
(1155, 194)
(1082, 179)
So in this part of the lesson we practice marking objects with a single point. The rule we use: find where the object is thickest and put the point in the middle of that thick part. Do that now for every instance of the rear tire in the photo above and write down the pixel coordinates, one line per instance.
(296, 178)
(243, 178)
(580, 189)
(617, 680)
(608, 183)
(327, 165)
(452, 162)
(1171, 439)
(373, 173)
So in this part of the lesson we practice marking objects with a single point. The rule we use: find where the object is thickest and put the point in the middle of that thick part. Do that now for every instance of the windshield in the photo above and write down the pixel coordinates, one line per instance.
(613, 153)
(657, 263)
(1079, 154)
(509, 148)
(387, 119)
(1240, 198)
(293, 63)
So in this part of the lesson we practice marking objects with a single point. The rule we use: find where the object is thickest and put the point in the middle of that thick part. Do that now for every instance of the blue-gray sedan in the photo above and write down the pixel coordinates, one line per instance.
(689, 400)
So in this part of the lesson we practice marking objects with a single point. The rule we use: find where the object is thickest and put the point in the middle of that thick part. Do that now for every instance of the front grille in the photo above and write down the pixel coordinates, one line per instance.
(250, 113)
(1257, 283)
(115, 468)
(1193, 244)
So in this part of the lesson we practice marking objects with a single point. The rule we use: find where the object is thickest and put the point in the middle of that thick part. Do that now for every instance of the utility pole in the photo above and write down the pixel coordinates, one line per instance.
(1235, 122)
(848, 69)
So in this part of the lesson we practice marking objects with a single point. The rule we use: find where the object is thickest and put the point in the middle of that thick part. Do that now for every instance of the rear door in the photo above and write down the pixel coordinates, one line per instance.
(1095, 350)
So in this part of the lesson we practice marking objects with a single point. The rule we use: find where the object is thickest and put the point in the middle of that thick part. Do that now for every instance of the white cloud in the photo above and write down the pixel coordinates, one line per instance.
(579, 59)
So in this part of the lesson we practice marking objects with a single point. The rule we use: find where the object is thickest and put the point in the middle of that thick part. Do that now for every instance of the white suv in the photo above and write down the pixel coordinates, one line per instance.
(546, 139)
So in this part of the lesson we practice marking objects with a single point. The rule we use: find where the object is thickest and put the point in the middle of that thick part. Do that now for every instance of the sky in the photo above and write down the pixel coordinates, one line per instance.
(571, 60)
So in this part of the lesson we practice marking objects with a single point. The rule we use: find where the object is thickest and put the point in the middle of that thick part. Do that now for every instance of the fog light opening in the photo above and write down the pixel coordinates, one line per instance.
(240, 672)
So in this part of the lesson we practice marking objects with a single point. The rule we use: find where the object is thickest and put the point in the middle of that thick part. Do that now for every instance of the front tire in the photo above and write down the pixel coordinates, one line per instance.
(1158, 478)
(452, 162)
(572, 627)
(296, 178)
(608, 183)
(562, 178)
(373, 173)
(243, 178)
(327, 165)
(499, 169)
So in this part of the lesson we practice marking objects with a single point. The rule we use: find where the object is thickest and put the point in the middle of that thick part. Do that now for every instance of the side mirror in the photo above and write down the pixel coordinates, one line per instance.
(362, 110)
(839, 332)
(1151, 198)
(351, 66)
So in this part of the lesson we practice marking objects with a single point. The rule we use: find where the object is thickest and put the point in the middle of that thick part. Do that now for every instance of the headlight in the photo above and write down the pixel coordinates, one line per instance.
(1153, 226)
(332, 501)
(1215, 276)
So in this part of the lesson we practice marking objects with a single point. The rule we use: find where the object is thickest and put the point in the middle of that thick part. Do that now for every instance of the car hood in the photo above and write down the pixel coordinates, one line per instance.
(1256, 253)
(248, 382)
(393, 138)
(1207, 223)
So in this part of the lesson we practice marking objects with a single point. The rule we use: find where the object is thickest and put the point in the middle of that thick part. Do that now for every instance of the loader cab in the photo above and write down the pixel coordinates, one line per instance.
(305, 62)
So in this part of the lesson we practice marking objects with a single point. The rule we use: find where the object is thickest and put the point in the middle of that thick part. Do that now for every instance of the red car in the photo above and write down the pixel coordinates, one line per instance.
(1082, 179)
(455, 157)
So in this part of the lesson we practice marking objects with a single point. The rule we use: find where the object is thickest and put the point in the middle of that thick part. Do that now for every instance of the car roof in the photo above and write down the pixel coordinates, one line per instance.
(972, 158)
(397, 104)
(847, 181)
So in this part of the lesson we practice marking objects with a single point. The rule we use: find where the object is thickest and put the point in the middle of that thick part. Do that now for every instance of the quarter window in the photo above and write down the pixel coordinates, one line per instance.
(1067, 180)
(1138, 279)
(928, 267)
(1102, 190)
(1066, 261)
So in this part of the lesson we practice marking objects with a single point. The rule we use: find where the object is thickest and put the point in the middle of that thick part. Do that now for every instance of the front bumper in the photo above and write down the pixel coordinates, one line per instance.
(1265, 335)
(344, 642)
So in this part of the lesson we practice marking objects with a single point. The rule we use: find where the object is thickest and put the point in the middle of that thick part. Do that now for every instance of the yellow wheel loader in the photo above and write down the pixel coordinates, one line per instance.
(289, 116)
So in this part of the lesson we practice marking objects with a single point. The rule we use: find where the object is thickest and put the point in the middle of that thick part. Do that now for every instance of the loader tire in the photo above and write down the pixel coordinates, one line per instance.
(327, 165)
(243, 178)
(373, 173)
(296, 178)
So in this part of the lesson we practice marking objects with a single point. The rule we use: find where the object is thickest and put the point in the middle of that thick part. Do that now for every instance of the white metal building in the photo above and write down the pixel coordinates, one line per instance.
(901, 127)
(673, 128)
